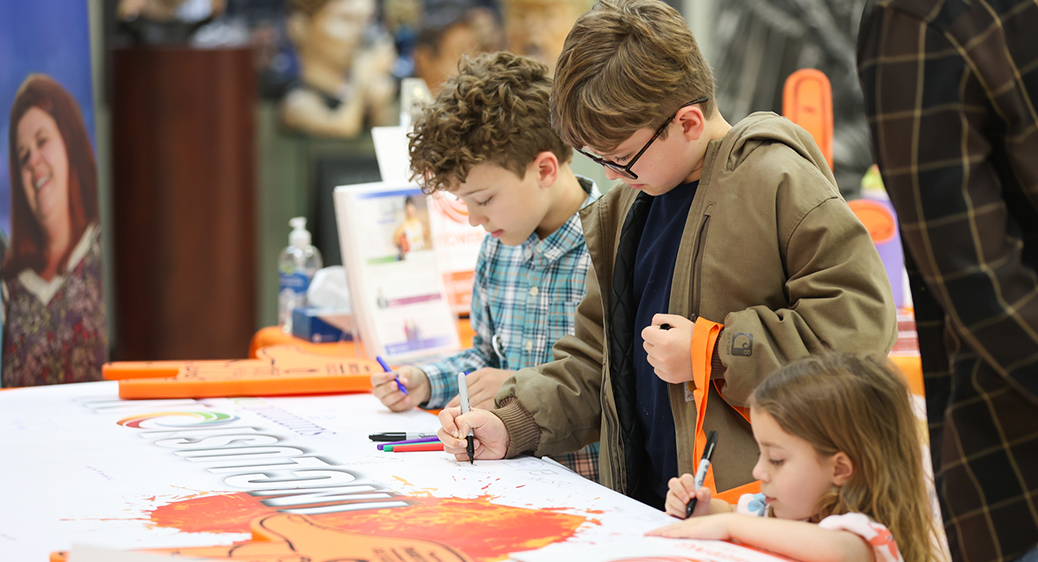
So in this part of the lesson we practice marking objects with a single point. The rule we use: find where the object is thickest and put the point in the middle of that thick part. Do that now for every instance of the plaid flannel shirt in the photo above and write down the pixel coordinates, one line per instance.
(951, 91)
(524, 299)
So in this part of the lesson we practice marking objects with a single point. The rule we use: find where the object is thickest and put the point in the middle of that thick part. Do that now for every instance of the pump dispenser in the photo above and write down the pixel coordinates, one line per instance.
(300, 236)
(296, 268)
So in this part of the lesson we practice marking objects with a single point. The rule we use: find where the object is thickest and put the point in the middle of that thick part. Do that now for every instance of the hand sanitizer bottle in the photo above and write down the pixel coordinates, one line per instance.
(296, 267)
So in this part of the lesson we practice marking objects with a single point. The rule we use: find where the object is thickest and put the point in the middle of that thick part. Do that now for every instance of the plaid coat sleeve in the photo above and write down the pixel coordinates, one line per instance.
(951, 92)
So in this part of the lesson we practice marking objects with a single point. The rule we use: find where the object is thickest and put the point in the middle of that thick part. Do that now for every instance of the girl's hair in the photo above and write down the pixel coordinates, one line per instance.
(858, 405)
(27, 239)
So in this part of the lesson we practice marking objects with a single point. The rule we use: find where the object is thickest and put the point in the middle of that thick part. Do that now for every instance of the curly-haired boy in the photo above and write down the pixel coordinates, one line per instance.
(487, 139)
(730, 253)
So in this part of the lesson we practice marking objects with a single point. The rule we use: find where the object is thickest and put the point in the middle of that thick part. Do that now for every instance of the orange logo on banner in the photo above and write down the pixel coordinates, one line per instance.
(445, 529)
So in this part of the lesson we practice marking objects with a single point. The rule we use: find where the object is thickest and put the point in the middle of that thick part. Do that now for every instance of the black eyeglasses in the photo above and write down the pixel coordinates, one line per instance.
(625, 170)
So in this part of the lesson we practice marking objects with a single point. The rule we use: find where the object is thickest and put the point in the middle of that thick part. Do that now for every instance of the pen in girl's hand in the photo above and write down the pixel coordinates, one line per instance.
(700, 476)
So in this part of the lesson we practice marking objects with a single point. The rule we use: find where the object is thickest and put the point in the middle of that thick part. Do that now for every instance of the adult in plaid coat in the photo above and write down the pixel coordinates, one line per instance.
(951, 91)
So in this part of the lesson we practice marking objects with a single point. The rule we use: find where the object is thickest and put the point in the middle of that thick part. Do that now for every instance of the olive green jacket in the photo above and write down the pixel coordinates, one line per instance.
(770, 250)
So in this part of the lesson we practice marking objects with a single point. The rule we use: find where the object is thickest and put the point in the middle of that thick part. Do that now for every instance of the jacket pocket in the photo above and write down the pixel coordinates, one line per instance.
(697, 263)
(612, 451)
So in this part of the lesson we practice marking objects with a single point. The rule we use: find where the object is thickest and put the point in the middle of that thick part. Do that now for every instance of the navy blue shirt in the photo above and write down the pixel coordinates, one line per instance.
(653, 271)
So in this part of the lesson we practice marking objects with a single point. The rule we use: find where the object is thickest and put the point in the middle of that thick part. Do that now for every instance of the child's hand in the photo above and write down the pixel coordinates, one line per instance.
(716, 527)
(680, 491)
(670, 351)
(383, 386)
(491, 436)
(483, 387)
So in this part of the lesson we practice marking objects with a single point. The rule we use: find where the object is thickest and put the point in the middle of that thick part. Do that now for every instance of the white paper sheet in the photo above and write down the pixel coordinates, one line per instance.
(648, 549)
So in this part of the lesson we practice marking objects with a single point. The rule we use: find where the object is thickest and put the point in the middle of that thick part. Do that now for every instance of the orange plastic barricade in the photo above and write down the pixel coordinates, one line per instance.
(277, 370)
(807, 100)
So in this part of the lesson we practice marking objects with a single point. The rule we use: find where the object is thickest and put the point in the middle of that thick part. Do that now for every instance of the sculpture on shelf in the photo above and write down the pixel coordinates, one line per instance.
(344, 82)
(166, 21)
(451, 29)
(538, 28)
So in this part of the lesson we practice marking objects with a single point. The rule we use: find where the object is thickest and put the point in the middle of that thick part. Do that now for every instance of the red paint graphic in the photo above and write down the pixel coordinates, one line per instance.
(481, 530)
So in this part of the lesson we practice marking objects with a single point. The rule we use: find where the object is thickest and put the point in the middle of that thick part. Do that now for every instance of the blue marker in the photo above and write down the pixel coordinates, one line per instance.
(386, 368)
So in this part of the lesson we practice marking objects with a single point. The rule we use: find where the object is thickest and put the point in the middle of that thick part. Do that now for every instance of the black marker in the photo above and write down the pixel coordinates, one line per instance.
(700, 476)
(398, 436)
(664, 326)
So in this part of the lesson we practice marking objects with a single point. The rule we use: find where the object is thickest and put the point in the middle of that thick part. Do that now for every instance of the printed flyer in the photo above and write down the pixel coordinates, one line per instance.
(395, 284)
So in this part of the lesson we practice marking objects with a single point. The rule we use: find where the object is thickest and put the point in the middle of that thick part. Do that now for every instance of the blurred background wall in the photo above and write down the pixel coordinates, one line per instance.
(753, 46)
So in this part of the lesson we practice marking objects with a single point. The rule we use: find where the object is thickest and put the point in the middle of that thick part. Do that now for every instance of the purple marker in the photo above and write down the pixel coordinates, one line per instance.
(406, 441)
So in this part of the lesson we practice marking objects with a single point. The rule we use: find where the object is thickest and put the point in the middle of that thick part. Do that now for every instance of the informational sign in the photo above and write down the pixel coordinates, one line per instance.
(43, 36)
(455, 241)
(457, 244)
(53, 316)
(396, 288)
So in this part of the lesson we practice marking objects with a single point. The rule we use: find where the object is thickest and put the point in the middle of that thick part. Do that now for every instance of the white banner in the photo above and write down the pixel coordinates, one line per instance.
(81, 466)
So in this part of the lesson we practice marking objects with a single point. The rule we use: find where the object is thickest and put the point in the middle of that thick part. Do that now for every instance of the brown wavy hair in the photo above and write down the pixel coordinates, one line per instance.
(495, 110)
(626, 65)
(860, 406)
(27, 239)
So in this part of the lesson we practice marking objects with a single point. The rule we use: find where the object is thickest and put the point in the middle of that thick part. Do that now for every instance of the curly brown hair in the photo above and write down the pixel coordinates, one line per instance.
(495, 110)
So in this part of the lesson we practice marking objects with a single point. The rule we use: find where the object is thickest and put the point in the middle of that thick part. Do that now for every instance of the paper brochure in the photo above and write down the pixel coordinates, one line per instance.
(398, 294)
(455, 241)
(457, 244)
(391, 153)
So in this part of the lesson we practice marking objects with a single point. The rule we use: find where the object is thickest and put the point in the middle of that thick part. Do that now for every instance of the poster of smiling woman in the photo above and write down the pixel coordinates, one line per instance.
(54, 322)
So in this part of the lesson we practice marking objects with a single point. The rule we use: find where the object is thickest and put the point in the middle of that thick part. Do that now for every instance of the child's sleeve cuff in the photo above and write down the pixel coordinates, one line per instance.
(523, 432)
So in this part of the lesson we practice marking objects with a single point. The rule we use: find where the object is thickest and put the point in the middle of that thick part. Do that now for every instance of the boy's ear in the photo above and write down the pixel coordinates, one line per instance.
(692, 121)
(546, 165)
(296, 27)
(843, 468)
(422, 62)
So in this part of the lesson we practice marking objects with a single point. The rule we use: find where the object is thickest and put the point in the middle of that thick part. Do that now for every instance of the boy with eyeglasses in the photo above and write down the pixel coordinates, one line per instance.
(730, 253)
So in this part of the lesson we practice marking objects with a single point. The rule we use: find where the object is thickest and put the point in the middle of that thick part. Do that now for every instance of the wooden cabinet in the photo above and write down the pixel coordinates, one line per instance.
(183, 202)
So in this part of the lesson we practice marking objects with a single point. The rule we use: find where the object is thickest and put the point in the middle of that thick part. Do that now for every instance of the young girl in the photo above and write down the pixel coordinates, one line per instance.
(840, 461)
